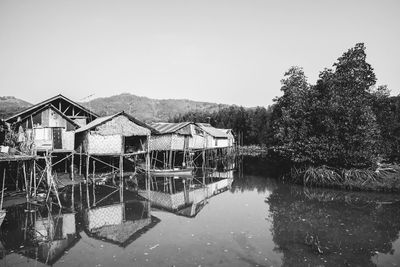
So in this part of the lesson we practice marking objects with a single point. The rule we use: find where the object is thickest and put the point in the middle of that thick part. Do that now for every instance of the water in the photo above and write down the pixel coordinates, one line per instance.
(259, 221)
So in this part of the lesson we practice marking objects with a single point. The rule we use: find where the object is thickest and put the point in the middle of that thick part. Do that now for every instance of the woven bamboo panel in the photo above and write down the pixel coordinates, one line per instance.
(68, 140)
(109, 215)
(160, 142)
(178, 142)
(99, 144)
(196, 142)
(123, 126)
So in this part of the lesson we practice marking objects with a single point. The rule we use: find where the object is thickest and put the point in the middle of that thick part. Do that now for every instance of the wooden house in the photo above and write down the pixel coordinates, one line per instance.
(217, 138)
(113, 135)
(46, 128)
(177, 137)
(74, 111)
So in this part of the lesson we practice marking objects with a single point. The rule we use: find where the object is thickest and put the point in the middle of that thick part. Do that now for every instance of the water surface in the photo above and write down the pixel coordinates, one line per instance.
(259, 221)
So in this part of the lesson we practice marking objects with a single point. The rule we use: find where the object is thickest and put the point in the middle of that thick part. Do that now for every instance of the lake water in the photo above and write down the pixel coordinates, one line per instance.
(258, 221)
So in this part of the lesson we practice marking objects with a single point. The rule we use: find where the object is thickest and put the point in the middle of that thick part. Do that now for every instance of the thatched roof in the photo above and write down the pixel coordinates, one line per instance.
(142, 129)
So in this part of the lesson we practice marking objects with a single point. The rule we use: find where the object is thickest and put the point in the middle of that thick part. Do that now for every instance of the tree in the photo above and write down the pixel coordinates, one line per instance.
(333, 121)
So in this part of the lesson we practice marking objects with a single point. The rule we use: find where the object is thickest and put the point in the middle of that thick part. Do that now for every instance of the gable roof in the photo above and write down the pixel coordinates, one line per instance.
(55, 110)
(169, 127)
(215, 132)
(48, 101)
(105, 119)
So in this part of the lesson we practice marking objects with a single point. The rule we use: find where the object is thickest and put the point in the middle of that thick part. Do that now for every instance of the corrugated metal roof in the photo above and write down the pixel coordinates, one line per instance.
(94, 123)
(215, 132)
(169, 127)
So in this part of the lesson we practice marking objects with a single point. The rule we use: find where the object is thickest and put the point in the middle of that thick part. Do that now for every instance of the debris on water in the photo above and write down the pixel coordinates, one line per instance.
(208, 244)
(153, 247)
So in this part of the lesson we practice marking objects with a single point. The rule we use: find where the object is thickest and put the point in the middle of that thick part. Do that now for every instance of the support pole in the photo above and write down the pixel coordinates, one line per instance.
(72, 168)
(34, 178)
(2, 188)
(94, 183)
(87, 180)
(121, 178)
(26, 182)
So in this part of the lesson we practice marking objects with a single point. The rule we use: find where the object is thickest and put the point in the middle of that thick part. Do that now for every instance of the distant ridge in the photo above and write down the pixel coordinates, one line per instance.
(143, 108)
(147, 109)
(10, 105)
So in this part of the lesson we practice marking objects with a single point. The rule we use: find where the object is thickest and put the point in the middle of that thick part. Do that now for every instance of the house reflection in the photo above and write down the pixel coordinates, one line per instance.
(186, 196)
(119, 223)
(38, 233)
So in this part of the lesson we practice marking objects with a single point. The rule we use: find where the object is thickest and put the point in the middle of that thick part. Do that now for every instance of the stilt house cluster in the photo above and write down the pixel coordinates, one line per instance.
(62, 139)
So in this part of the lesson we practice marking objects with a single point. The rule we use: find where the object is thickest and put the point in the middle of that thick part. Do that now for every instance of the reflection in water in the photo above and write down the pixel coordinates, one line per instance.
(247, 220)
(38, 232)
(313, 227)
(119, 223)
(187, 196)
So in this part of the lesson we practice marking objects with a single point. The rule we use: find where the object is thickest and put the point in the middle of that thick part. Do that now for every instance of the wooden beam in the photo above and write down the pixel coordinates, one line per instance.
(66, 110)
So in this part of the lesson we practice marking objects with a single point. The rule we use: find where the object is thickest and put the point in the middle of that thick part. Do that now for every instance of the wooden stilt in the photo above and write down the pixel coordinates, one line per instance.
(72, 168)
(26, 182)
(121, 177)
(2, 189)
(94, 183)
(87, 180)
(80, 160)
(34, 178)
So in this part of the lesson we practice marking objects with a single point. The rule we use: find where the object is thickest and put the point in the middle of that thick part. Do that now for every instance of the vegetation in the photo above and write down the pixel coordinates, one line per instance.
(252, 126)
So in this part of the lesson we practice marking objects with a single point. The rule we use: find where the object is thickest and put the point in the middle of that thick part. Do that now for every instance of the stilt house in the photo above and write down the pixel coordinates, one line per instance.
(177, 137)
(217, 138)
(113, 135)
(46, 129)
(74, 111)
(50, 125)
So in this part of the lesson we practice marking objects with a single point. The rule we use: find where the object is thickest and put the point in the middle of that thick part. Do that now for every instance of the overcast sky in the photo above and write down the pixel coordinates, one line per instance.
(232, 52)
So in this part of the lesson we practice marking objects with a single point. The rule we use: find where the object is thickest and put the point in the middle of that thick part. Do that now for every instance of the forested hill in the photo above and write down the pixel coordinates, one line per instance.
(148, 109)
(10, 105)
(143, 108)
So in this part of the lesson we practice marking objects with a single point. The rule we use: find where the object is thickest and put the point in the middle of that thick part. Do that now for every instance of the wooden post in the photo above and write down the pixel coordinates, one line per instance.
(121, 178)
(94, 183)
(148, 176)
(87, 180)
(80, 160)
(34, 178)
(73, 198)
(112, 170)
(2, 188)
(72, 167)
(203, 165)
(26, 182)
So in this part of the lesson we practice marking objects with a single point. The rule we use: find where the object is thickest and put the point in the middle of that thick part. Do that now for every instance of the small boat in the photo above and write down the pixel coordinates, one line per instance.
(172, 172)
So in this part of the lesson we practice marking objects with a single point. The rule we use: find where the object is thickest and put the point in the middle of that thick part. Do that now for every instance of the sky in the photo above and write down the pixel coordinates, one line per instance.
(230, 52)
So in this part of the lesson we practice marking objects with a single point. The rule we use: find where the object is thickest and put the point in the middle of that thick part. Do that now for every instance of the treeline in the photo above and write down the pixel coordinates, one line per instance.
(251, 125)
(344, 120)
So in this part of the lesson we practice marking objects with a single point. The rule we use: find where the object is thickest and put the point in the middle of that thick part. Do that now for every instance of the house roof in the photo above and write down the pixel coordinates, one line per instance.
(55, 110)
(215, 132)
(105, 119)
(169, 127)
(48, 101)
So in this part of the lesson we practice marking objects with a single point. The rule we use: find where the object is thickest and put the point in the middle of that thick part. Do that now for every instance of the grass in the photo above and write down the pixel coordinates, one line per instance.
(386, 177)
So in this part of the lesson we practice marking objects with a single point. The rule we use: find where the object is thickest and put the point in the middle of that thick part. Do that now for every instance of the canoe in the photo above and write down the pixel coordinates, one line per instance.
(171, 172)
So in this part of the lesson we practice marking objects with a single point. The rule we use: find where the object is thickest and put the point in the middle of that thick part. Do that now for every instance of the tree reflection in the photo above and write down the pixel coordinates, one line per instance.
(318, 227)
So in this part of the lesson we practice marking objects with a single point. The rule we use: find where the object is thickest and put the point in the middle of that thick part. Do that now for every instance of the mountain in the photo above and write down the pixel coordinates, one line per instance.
(147, 109)
(9, 105)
